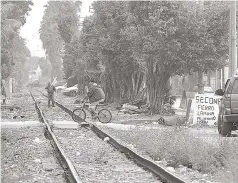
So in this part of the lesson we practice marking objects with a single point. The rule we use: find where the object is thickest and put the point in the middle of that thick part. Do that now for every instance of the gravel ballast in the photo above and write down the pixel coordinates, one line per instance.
(27, 156)
(97, 161)
(25, 110)
(94, 159)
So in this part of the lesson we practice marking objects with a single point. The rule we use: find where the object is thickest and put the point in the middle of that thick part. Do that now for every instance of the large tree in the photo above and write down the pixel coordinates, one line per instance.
(160, 39)
(13, 17)
(20, 53)
(170, 39)
(104, 50)
(58, 27)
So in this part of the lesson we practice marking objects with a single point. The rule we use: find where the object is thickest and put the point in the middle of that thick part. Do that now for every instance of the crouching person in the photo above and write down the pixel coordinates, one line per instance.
(50, 90)
(95, 95)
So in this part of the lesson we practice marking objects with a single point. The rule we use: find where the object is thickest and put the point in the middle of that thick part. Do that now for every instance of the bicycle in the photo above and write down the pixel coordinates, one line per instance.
(79, 113)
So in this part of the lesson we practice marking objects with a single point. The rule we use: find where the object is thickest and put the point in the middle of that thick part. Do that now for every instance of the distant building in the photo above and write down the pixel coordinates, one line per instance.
(38, 71)
(32, 76)
(216, 79)
(35, 74)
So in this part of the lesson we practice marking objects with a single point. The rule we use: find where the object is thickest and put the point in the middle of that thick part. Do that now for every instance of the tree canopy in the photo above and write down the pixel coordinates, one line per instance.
(58, 27)
(151, 41)
(128, 46)
(13, 48)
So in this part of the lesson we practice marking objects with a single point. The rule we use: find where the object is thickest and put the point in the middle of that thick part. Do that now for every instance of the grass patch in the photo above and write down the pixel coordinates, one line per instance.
(179, 147)
(229, 151)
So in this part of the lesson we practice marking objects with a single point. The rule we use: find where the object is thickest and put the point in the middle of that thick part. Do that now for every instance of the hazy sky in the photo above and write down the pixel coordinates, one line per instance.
(30, 31)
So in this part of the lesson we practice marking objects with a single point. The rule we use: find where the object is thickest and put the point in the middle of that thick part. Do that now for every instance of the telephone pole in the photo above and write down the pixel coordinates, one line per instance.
(232, 39)
(200, 73)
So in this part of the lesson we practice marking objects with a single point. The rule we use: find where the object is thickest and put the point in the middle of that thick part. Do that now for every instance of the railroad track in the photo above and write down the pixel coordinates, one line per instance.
(70, 172)
(72, 176)
(27, 156)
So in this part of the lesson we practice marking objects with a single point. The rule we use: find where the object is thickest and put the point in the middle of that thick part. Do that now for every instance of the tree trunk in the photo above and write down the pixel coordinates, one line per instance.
(108, 88)
(137, 79)
(192, 82)
(55, 65)
(200, 82)
(128, 89)
(209, 78)
(156, 95)
(116, 87)
(156, 82)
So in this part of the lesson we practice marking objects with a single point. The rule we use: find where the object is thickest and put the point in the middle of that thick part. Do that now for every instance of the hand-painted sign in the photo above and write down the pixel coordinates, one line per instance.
(206, 109)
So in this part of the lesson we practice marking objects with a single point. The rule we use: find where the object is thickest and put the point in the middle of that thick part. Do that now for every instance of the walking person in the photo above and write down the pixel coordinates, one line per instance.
(50, 90)
(95, 95)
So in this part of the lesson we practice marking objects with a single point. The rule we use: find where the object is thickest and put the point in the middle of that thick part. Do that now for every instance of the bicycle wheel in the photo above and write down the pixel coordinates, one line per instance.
(104, 116)
(77, 114)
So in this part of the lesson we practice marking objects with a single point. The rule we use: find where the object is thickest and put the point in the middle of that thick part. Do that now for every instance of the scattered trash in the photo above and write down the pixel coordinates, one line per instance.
(184, 169)
(195, 181)
(161, 121)
(106, 139)
(162, 162)
(167, 109)
(129, 107)
(37, 140)
(131, 146)
(37, 160)
(133, 109)
(171, 169)
(49, 169)
(18, 117)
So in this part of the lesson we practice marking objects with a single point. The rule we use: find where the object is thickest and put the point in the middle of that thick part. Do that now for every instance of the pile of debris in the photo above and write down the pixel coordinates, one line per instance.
(167, 110)
(132, 109)
(140, 106)
(135, 107)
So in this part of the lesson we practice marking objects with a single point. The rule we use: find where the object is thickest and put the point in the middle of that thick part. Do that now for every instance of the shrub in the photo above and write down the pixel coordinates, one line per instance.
(180, 147)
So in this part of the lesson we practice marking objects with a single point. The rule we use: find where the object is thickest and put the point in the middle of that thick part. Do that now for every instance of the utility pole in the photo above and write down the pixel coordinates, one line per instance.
(222, 79)
(200, 75)
(216, 80)
(232, 39)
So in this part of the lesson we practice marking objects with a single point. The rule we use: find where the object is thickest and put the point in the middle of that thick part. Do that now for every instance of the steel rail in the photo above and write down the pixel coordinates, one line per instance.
(159, 171)
(71, 174)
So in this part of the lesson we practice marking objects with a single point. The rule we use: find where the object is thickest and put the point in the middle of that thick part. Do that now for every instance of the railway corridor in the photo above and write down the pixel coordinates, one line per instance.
(28, 155)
